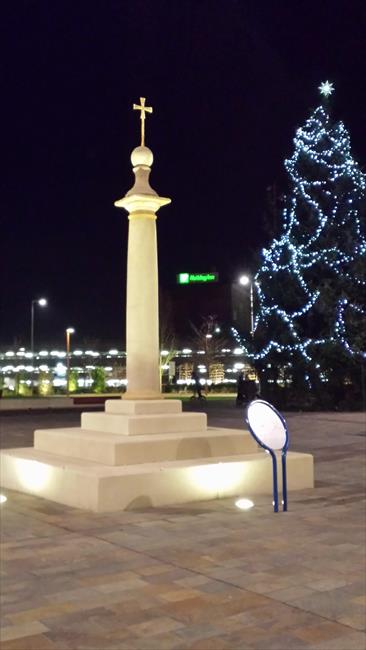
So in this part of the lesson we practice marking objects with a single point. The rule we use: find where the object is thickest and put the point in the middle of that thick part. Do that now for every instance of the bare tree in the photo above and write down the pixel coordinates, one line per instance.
(208, 338)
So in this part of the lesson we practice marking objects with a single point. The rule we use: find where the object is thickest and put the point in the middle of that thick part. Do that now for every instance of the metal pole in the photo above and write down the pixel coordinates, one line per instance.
(32, 342)
(32, 327)
(251, 309)
(275, 484)
(284, 482)
(68, 362)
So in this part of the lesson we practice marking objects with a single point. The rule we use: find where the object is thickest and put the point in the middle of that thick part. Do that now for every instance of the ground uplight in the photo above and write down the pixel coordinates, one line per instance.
(244, 504)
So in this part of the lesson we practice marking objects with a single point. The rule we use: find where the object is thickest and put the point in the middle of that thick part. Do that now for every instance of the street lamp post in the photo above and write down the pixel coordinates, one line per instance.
(42, 302)
(69, 331)
(245, 280)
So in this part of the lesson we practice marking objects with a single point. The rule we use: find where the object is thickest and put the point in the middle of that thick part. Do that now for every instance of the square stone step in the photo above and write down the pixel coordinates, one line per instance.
(104, 488)
(114, 449)
(143, 407)
(132, 425)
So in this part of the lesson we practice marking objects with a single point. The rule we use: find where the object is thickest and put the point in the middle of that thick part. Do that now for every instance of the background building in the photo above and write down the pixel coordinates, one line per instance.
(186, 304)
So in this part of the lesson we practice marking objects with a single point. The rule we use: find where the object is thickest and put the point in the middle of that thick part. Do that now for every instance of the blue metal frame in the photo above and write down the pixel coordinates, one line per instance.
(273, 455)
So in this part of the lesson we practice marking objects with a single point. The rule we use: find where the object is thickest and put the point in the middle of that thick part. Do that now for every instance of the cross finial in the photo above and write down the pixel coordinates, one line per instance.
(144, 109)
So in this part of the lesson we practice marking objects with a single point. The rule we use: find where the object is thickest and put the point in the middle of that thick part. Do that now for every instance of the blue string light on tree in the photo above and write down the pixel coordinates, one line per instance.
(313, 275)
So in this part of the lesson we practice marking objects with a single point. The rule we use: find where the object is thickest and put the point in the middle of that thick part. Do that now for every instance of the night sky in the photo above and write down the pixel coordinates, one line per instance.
(229, 81)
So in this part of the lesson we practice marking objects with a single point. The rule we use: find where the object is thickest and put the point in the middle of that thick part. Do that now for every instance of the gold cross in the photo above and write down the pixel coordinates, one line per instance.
(144, 109)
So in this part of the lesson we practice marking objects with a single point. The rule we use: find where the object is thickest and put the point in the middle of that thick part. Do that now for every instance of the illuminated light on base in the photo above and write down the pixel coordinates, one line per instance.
(3, 498)
(244, 504)
(218, 478)
(32, 474)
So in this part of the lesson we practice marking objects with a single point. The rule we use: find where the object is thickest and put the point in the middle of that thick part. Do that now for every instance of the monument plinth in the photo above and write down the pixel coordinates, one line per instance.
(143, 450)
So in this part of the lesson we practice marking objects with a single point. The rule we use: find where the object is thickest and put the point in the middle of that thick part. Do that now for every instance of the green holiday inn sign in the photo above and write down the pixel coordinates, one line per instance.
(197, 278)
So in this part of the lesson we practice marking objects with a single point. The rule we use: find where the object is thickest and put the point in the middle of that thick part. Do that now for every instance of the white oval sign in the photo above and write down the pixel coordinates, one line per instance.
(266, 425)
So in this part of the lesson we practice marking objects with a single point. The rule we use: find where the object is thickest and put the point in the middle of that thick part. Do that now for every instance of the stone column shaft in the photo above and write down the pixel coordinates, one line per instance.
(142, 313)
(142, 309)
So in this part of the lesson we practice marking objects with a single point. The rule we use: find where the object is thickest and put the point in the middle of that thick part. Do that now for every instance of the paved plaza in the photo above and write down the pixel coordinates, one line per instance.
(203, 576)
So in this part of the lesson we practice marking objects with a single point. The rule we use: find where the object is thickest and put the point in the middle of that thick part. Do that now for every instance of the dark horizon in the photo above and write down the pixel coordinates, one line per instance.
(229, 82)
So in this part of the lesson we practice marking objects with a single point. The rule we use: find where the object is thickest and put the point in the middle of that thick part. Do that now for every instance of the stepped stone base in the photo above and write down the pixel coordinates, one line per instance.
(148, 454)
(114, 449)
(104, 488)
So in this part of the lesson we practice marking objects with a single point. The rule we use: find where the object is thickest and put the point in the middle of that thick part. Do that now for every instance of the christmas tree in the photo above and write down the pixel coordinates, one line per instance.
(311, 284)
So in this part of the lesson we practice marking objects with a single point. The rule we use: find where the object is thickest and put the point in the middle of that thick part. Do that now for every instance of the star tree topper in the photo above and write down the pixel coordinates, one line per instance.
(326, 88)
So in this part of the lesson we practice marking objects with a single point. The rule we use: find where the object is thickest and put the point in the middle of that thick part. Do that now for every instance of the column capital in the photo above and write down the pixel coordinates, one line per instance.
(142, 203)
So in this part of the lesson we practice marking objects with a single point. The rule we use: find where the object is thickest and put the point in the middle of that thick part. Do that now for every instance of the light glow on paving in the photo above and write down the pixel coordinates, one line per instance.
(244, 504)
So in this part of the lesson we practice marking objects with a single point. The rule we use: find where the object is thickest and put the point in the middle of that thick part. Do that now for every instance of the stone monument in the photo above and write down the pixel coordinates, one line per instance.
(142, 309)
(143, 450)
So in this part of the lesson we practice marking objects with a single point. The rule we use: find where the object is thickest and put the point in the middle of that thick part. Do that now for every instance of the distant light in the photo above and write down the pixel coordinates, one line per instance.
(59, 382)
(60, 369)
(78, 353)
(3, 498)
(42, 302)
(244, 504)
(164, 353)
(208, 336)
(189, 278)
(244, 280)
(238, 366)
(113, 351)
(238, 351)
(186, 350)
(183, 278)
(10, 354)
(43, 353)
(217, 330)
(70, 330)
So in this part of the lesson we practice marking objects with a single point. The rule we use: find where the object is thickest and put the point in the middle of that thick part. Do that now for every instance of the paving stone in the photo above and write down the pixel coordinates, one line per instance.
(22, 630)
(201, 576)
(155, 626)
(36, 642)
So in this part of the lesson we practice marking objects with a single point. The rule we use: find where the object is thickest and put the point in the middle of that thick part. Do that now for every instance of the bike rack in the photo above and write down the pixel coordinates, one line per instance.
(271, 450)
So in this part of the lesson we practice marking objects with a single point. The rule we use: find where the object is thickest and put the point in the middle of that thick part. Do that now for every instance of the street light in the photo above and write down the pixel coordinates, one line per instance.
(69, 331)
(42, 302)
(246, 280)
